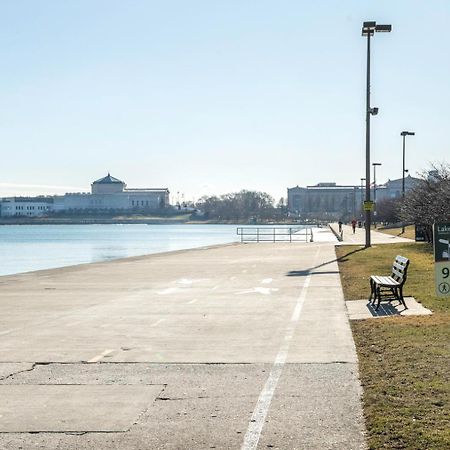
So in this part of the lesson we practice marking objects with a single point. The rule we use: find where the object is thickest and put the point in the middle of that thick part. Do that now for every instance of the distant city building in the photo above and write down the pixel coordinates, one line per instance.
(324, 200)
(107, 193)
(330, 200)
(393, 188)
(25, 206)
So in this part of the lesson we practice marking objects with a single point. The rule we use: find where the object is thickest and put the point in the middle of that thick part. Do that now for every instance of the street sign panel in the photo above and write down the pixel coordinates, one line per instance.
(369, 205)
(421, 234)
(441, 242)
(442, 278)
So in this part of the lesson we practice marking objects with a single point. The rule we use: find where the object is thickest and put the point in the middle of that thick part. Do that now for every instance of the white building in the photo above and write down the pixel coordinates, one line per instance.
(394, 188)
(111, 193)
(25, 206)
(107, 193)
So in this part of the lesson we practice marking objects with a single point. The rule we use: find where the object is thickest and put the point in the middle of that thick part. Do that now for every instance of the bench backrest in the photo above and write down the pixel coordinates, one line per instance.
(400, 269)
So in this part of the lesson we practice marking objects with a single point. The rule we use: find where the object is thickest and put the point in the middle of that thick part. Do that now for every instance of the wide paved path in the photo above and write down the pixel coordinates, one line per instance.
(240, 346)
(359, 236)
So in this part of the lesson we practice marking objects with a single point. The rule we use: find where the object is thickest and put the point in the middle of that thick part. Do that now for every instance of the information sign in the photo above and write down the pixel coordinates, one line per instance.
(369, 205)
(441, 241)
(421, 233)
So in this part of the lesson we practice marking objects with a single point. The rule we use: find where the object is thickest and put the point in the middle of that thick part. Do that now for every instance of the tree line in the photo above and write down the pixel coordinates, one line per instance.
(241, 206)
(428, 202)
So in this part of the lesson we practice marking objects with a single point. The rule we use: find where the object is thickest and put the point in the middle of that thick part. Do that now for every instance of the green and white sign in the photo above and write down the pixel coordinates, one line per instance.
(441, 240)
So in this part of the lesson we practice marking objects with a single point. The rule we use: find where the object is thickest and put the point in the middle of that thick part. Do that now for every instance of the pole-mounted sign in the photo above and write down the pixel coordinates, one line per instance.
(369, 205)
(441, 240)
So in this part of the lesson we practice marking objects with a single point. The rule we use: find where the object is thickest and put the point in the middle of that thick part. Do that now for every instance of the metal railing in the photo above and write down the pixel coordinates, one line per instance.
(268, 234)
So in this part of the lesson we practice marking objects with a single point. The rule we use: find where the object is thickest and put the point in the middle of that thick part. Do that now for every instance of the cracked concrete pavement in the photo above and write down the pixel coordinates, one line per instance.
(205, 348)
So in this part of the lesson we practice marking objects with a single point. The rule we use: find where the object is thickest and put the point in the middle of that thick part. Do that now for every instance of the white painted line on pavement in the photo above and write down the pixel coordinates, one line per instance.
(192, 301)
(157, 322)
(99, 357)
(9, 331)
(258, 418)
(262, 406)
(166, 291)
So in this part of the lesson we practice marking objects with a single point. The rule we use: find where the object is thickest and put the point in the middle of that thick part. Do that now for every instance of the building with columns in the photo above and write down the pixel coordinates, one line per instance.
(107, 194)
(333, 201)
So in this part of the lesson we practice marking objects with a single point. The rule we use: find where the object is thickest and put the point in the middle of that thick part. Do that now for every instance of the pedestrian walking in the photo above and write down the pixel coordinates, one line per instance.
(340, 226)
(354, 225)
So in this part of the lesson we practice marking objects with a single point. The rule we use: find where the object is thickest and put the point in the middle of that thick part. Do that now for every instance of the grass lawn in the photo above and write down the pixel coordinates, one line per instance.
(410, 231)
(404, 361)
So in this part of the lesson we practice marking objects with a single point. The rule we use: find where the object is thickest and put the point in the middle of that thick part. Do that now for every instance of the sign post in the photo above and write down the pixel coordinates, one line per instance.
(441, 242)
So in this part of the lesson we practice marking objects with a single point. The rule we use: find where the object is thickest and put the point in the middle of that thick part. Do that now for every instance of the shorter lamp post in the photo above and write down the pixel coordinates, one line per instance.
(404, 134)
(375, 191)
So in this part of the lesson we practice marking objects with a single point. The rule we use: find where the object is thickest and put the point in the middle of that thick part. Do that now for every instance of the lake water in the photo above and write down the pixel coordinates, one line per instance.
(24, 248)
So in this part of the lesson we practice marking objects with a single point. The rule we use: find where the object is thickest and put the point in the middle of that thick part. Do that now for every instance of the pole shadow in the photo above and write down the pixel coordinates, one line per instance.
(304, 273)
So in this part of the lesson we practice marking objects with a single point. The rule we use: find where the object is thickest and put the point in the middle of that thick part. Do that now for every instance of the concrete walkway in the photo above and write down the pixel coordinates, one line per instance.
(240, 346)
(359, 237)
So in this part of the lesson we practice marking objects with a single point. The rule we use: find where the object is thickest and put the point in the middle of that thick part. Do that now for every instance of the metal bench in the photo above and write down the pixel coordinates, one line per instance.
(393, 284)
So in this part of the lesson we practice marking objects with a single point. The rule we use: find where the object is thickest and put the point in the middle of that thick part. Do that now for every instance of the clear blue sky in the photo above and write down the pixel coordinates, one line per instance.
(215, 96)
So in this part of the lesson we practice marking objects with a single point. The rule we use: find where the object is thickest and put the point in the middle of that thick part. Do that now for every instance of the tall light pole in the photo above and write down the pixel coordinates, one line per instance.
(375, 189)
(369, 29)
(404, 134)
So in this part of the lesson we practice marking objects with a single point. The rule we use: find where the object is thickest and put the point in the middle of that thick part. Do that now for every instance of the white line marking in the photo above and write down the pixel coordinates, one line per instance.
(169, 291)
(157, 322)
(267, 281)
(257, 290)
(265, 398)
(99, 357)
(9, 331)
(192, 301)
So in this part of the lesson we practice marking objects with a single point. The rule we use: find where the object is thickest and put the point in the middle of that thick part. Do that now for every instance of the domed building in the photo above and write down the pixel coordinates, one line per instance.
(108, 185)
(110, 193)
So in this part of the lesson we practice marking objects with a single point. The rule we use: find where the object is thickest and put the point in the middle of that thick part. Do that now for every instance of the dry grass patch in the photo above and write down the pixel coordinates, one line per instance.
(410, 231)
(404, 361)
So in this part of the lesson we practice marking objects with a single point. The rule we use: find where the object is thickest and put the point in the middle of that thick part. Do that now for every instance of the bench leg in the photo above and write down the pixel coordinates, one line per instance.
(378, 296)
(372, 291)
(402, 300)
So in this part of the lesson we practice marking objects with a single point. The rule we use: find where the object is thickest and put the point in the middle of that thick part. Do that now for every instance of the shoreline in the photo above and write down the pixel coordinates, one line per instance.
(127, 259)
(147, 221)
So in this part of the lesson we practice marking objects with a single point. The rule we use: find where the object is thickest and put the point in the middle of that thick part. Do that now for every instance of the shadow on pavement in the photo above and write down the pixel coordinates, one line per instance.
(304, 273)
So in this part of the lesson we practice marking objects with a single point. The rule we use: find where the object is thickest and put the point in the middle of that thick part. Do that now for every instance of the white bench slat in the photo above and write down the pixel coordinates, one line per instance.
(385, 281)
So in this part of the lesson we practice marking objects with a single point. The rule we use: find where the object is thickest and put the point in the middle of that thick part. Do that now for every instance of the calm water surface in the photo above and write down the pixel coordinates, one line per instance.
(24, 248)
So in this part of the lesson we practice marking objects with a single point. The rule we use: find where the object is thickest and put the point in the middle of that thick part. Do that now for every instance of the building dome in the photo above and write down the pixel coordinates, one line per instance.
(107, 180)
(107, 185)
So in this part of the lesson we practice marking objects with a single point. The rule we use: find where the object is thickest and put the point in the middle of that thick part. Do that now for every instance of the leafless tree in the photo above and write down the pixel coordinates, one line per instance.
(429, 201)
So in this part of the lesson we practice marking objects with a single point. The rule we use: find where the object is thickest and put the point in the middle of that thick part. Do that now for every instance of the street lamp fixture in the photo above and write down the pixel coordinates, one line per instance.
(403, 134)
(368, 30)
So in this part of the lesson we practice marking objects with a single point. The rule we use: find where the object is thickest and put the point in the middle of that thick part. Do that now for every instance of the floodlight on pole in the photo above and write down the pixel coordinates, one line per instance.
(369, 29)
